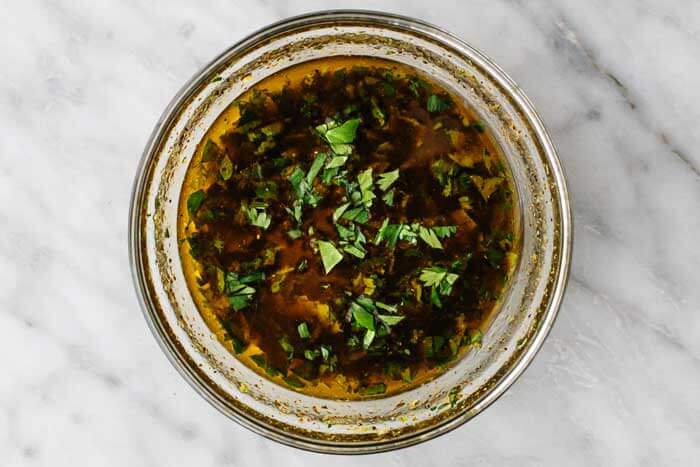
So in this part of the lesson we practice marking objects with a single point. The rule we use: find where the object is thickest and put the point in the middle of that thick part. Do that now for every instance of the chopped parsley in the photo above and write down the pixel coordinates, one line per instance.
(303, 330)
(194, 201)
(330, 256)
(239, 289)
(257, 216)
(226, 168)
(437, 103)
(387, 179)
(440, 281)
(373, 389)
(339, 135)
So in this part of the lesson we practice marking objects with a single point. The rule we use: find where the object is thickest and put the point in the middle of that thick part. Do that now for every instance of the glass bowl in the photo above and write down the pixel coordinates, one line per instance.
(527, 310)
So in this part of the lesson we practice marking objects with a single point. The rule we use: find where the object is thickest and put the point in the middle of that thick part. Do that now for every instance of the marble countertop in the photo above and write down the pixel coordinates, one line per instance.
(84, 382)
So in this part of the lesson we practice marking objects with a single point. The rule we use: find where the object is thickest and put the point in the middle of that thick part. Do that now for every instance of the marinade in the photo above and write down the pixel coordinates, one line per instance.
(347, 227)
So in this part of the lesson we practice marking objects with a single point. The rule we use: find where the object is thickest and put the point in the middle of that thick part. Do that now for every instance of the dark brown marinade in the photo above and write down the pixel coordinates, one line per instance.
(262, 273)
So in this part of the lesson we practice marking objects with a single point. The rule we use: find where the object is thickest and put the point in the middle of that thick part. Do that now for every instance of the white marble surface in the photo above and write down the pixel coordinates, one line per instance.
(82, 381)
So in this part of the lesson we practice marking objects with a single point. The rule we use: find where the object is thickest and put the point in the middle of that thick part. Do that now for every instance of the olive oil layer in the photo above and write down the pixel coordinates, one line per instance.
(347, 227)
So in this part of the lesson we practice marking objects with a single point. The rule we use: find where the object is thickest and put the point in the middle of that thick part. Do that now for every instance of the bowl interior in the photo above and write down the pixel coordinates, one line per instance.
(513, 336)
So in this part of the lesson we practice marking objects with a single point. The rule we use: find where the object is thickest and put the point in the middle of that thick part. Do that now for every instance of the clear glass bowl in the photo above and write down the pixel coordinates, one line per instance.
(512, 338)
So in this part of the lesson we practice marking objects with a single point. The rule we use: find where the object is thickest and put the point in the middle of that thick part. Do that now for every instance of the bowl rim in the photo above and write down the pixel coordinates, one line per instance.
(559, 283)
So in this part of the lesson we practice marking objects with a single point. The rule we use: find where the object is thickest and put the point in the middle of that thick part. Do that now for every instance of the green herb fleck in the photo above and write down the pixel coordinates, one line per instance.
(325, 352)
(226, 168)
(387, 179)
(336, 161)
(337, 214)
(258, 217)
(495, 256)
(238, 289)
(441, 281)
(303, 330)
(315, 167)
(330, 256)
(362, 317)
(390, 320)
(373, 389)
(210, 151)
(429, 237)
(438, 103)
(194, 202)
(377, 112)
(365, 181)
(339, 136)
(388, 197)
(286, 346)
(359, 215)
(445, 231)
(355, 250)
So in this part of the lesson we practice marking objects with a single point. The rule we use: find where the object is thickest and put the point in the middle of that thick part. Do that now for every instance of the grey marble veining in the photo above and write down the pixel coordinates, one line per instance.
(83, 381)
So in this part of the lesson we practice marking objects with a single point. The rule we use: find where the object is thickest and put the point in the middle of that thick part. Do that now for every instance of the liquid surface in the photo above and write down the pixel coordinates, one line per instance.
(347, 227)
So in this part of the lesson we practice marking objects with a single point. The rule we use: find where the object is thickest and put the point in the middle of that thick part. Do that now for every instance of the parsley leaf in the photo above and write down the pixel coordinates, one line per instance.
(389, 233)
(339, 136)
(435, 276)
(238, 289)
(429, 237)
(441, 281)
(359, 215)
(384, 306)
(387, 179)
(294, 234)
(258, 217)
(226, 168)
(365, 181)
(303, 330)
(363, 311)
(345, 233)
(286, 346)
(445, 231)
(390, 320)
(302, 186)
(362, 317)
(377, 112)
(373, 389)
(240, 296)
(330, 256)
(355, 250)
(336, 161)
(325, 352)
(296, 178)
(389, 197)
(194, 201)
(438, 103)
(338, 213)
(210, 151)
(315, 167)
